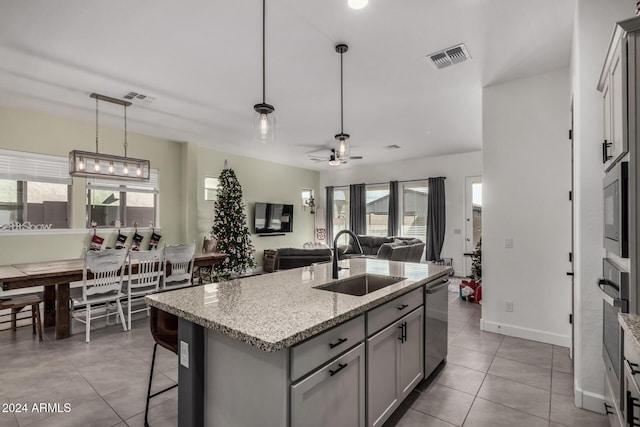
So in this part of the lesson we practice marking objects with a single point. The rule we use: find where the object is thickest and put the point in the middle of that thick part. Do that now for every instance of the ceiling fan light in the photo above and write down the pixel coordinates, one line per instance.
(333, 161)
(357, 4)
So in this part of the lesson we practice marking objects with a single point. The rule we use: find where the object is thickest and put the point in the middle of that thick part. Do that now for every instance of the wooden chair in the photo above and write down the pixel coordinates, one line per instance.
(204, 274)
(16, 304)
(107, 268)
(178, 266)
(164, 329)
(145, 281)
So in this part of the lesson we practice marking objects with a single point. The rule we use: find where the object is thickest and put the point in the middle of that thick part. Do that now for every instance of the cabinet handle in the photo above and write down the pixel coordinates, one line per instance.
(632, 403)
(403, 306)
(605, 151)
(606, 409)
(403, 332)
(634, 368)
(340, 341)
(341, 366)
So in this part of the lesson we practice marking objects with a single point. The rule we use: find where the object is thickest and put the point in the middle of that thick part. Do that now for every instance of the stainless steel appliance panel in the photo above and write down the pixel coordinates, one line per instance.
(436, 314)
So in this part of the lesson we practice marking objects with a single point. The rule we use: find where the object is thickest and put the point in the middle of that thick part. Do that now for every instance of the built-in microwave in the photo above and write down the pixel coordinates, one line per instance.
(616, 211)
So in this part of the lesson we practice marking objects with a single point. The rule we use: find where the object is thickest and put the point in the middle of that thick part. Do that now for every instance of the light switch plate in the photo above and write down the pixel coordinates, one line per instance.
(184, 354)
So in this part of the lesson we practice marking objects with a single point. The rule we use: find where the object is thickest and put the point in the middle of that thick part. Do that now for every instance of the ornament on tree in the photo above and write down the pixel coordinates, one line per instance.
(230, 227)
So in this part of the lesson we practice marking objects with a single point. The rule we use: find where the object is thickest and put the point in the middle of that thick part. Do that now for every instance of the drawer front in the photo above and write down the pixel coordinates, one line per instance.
(325, 346)
(391, 311)
(332, 396)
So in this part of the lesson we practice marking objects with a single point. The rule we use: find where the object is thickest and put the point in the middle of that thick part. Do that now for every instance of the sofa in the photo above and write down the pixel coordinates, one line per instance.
(288, 258)
(407, 249)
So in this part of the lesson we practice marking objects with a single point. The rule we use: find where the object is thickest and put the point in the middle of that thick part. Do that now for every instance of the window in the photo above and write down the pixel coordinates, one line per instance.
(377, 209)
(109, 201)
(413, 206)
(34, 191)
(340, 210)
(211, 188)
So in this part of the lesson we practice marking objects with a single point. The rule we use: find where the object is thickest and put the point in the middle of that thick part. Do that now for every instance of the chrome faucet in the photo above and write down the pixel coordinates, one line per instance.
(335, 250)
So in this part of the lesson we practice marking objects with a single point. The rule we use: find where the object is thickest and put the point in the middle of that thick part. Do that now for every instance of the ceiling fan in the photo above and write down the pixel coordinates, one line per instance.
(332, 159)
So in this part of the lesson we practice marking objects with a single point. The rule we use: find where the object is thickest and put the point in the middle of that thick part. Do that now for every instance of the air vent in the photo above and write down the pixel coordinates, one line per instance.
(446, 57)
(139, 98)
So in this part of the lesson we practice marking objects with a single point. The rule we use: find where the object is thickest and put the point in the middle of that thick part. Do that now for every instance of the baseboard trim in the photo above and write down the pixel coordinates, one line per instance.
(587, 400)
(526, 333)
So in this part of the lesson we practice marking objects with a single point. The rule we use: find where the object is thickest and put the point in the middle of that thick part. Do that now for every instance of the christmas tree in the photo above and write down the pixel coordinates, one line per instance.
(476, 262)
(230, 227)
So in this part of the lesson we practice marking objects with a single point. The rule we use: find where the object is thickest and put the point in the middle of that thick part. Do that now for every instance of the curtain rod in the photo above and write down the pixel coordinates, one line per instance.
(380, 183)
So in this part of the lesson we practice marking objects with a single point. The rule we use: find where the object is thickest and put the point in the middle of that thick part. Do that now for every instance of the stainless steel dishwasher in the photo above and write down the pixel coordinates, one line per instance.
(436, 315)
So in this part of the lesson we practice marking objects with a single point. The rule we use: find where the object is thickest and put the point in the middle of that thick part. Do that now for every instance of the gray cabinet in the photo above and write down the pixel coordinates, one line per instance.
(395, 365)
(613, 87)
(332, 396)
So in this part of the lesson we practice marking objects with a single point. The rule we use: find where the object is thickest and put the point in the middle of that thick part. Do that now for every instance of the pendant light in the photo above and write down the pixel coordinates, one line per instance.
(342, 150)
(264, 125)
(88, 164)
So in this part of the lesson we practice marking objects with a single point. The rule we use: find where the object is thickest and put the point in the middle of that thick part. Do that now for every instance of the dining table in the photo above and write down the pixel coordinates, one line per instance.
(56, 276)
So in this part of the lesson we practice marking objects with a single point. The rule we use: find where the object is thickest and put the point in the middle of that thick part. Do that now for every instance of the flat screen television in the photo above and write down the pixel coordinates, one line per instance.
(273, 218)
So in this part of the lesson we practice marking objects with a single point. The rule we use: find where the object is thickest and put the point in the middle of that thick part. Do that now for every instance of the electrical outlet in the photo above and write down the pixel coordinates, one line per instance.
(508, 242)
(508, 306)
(184, 354)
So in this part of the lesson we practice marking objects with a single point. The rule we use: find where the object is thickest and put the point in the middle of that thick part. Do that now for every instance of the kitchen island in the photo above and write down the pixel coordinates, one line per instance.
(276, 350)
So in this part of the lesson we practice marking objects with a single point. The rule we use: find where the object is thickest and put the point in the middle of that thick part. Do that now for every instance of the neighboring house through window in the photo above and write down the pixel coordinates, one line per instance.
(34, 191)
(109, 201)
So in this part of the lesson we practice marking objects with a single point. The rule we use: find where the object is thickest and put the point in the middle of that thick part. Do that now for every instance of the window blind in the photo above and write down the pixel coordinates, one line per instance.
(22, 166)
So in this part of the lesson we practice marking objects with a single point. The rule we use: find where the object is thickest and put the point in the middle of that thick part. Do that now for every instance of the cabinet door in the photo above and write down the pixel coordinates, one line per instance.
(618, 92)
(607, 151)
(333, 396)
(411, 370)
(383, 355)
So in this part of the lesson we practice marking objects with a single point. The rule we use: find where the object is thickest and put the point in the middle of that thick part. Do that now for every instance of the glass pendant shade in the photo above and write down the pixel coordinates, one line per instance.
(264, 126)
(343, 148)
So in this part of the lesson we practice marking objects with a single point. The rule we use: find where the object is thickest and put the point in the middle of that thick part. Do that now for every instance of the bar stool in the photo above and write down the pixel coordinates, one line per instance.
(16, 304)
(164, 328)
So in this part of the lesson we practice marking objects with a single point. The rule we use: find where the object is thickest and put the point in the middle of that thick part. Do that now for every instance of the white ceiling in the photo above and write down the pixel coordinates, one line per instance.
(201, 61)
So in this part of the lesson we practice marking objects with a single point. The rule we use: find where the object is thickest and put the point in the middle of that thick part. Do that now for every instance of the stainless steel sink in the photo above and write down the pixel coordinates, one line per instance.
(361, 285)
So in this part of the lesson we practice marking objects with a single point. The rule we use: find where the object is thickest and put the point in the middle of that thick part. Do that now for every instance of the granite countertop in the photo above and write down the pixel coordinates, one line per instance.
(631, 325)
(277, 310)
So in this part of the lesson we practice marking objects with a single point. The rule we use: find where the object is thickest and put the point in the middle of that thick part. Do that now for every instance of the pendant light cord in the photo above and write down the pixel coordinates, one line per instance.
(341, 98)
(97, 125)
(125, 131)
(263, 49)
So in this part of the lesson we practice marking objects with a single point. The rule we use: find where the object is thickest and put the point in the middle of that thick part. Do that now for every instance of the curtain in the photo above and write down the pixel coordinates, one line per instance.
(357, 209)
(392, 224)
(435, 218)
(329, 213)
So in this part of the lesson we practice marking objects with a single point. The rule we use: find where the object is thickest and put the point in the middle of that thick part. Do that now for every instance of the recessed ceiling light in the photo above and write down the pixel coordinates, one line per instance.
(357, 4)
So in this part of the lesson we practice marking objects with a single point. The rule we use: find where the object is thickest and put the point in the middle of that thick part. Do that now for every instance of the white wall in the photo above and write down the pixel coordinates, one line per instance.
(592, 31)
(454, 167)
(526, 161)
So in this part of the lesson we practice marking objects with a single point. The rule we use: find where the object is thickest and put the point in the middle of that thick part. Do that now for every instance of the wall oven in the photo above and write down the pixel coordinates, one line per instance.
(615, 294)
(616, 213)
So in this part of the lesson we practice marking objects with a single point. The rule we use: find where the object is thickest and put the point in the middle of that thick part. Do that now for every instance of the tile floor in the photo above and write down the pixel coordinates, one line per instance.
(488, 380)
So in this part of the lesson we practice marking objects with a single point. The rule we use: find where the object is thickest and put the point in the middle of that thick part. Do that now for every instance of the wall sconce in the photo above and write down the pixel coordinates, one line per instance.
(308, 200)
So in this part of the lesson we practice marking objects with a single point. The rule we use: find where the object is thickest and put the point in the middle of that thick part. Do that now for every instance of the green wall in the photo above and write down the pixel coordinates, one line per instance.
(183, 215)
